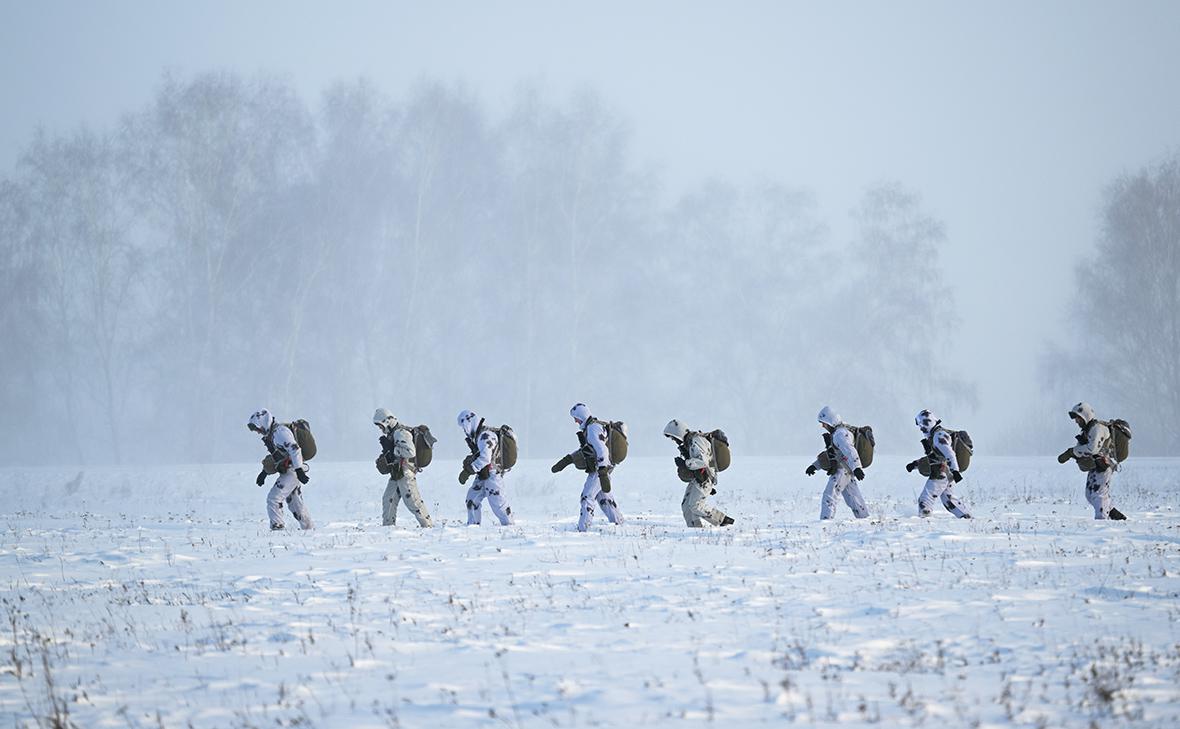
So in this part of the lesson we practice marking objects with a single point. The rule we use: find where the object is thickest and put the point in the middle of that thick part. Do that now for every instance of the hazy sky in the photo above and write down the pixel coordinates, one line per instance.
(1009, 118)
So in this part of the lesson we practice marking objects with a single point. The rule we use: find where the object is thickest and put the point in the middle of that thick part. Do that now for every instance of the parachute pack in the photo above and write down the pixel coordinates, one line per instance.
(507, 448)
(423, 446)
(1120, 434)
(301, 429)
(962, 445)
(722, 457)
(721, 454)
(862, 438)
(423, 442)
(616, 444)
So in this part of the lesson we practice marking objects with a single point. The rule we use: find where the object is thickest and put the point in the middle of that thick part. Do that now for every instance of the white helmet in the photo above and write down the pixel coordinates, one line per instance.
(1083, 411)
(468, 421)
(261, 422)
(926, 420)
(828, 417)
(580, 413)
(676, 430)
(384, 419)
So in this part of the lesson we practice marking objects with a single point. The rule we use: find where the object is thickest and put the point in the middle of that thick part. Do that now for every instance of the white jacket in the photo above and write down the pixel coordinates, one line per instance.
(700, 454)
(285, 445)
(596, 437)
(485, 444)
(1099, 441)
(941, 440)
(846, 454)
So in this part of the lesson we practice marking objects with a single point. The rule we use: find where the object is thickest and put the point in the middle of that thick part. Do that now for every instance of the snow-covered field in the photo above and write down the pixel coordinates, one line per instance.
(158, 597)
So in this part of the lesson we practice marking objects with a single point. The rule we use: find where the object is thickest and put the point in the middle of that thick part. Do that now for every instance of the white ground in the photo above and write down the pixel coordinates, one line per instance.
(149, 597)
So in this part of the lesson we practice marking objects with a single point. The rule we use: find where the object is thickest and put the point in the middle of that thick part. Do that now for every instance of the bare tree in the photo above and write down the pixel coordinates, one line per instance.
(1124, 352)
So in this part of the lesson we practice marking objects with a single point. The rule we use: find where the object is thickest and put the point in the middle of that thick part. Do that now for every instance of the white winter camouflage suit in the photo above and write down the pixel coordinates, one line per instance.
(699, 459)
(287, 488)
(404, 488)
(842, 481)
(492, 487)
(595, 434)
(1099, 443)
(939, 485)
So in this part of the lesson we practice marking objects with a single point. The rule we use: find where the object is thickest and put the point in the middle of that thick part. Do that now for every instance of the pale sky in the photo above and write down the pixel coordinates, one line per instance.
(1009, 118)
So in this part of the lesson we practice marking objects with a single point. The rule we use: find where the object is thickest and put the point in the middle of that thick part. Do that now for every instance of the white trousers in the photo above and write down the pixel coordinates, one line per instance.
(592, 492)
(843, 484)
(1098, 492)
(286, 490)
(404, 489)
(940, 489)
(491, 488)
(696, 510)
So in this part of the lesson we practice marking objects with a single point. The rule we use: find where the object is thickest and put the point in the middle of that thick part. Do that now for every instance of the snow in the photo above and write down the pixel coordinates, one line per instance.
(158, 597)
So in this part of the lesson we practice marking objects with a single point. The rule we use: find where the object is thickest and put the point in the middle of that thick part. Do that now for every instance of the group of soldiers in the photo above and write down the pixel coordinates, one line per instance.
(405, 451)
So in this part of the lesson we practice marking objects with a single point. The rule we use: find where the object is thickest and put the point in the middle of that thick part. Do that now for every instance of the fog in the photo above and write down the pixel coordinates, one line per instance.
(732, 216)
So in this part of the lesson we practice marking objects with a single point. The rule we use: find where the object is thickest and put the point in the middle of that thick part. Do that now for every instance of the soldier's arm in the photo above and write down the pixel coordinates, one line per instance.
(596, 437)
(942, 443)
(1090, 447)
(846, 448)
(286, 444)
(487, 447)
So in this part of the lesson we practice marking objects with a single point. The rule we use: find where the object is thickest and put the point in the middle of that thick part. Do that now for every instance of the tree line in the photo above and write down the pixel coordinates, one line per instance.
(230, 246)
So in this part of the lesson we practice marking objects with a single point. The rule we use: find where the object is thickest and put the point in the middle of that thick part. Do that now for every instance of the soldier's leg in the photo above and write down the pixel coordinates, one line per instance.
(610, 509)
(590, 491)
(413, 499)
(1098, 492)
(929, 496)
(298, 508)
(855, 500)
(703, 510)
(475, 503)
(952, 504)
(496, 500)
(688, 505)
(389, 504)
(836, 483)
(278, 494)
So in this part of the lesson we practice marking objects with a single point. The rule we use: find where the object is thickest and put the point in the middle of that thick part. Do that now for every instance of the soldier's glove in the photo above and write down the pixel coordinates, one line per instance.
(466, 473)
(909, 467)
(301, 474)
(604, 479)
(858, 474)
(261, 477)
(811, 470)
(1065, 455)
(957, 476)
(1081, 439)
(563, 464)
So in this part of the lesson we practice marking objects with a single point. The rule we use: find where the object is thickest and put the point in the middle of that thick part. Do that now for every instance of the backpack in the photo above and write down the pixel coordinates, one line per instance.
(505, 454)
(1120, 436)
(1120, 432)
(721, 454)
(301, 429)
(862, 438)
(423, 446)
(616, 439)
(962, 445)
